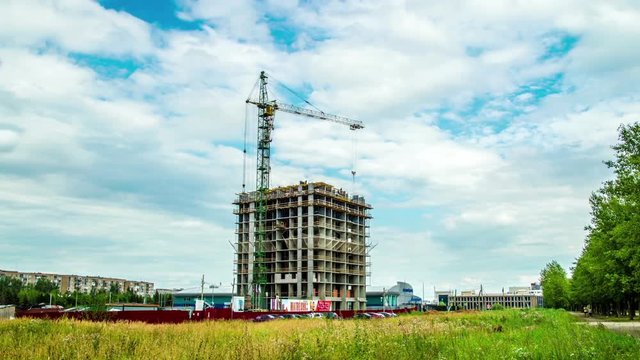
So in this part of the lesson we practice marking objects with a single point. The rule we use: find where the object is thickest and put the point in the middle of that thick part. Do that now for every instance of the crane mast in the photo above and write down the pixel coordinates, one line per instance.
(265, 126)
(266, 114)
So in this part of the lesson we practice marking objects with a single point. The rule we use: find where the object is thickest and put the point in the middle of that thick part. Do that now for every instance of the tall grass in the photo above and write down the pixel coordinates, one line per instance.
(507, 334)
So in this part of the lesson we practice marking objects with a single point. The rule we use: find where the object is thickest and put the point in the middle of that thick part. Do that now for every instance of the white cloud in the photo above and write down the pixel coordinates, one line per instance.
(8, 140)
(45, 77)
(154, 156)
(238, 19)
(76, 25)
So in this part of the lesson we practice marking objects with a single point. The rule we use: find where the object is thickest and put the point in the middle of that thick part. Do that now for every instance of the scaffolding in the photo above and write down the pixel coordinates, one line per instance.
(315, 245)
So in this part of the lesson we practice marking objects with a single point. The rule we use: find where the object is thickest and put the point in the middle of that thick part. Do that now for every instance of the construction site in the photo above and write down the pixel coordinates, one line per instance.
(315, 245)
(305, 242)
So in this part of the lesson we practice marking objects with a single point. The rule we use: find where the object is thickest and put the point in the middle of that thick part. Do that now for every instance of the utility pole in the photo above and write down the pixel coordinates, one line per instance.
(422, 302)
(202, 288)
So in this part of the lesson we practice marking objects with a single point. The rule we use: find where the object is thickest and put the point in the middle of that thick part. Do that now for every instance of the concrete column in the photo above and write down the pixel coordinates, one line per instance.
(299, 248)
(252, 238)
(310, 255)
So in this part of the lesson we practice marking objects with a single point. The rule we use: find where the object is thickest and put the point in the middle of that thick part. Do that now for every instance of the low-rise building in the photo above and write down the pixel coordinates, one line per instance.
(516, 297)
(218, 298)
(393, 297)
(379, 298)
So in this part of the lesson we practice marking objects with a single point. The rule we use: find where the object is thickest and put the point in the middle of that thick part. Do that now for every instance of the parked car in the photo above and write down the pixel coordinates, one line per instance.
(290, 316)
(315, 315)
(363, 316)
(376, 315)
(389, 314)
(331, 315)
(263, 318)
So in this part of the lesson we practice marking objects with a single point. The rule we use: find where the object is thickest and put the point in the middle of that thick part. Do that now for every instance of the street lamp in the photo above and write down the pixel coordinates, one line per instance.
(213, 287)
(384, 298)
(173, 295)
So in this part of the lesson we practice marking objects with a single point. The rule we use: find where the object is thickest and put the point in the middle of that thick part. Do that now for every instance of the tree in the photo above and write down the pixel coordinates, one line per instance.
(28, 296)
(555, 285)
(9, 289)
(45, 286)
(607, 274)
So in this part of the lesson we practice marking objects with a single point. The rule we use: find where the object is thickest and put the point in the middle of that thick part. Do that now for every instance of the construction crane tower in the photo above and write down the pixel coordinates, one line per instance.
(266, 115)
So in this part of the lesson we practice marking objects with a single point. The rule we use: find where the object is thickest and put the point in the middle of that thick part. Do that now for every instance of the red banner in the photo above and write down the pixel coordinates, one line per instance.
(323, 305)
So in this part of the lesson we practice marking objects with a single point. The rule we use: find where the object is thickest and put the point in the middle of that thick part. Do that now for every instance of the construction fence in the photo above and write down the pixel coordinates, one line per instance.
(7, 312)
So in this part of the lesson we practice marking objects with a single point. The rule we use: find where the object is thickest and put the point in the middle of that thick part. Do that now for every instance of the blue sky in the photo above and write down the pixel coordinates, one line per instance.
(486, 126)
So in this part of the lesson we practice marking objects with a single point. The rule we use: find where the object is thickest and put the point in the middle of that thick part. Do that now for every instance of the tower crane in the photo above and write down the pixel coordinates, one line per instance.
(266, 115)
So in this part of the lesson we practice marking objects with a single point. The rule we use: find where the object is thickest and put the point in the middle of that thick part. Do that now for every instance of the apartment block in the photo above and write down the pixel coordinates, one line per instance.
(85, 284)
(316, 245)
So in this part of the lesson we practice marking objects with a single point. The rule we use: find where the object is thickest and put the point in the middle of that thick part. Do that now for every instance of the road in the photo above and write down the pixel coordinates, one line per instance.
(628, 327)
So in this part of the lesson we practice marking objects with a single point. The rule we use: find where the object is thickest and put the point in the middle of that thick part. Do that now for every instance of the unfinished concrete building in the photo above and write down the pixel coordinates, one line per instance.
(315, 245)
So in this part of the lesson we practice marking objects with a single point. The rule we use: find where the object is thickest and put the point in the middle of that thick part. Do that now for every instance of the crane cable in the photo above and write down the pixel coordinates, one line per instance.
(253, 89)
(354, 160)
(244, 148)
(295, 93)
(354, 139)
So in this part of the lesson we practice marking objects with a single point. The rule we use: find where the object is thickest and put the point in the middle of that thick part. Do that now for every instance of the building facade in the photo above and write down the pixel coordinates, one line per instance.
(516, 297)
(186, 299)
(84, 284)
(406, 297)
(380, 298)
(316, 245)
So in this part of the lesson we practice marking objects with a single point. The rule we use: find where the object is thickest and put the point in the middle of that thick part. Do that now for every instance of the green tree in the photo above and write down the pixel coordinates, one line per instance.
(555, 286)
(607, 274)
(28, 296)
(9, 289)
(45, 286)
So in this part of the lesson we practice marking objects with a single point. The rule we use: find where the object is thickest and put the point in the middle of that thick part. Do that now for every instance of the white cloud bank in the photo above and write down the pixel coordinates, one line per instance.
(475, 161)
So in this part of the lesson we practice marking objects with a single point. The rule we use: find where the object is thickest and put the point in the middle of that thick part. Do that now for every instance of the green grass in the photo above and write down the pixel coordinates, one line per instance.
(506, 334)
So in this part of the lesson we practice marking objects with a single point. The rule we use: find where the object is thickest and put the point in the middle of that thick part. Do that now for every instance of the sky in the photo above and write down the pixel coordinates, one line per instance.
(486, 125)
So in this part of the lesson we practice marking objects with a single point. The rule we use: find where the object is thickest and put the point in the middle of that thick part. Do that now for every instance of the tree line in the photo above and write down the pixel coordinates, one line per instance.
(45, 292)
(606, 275)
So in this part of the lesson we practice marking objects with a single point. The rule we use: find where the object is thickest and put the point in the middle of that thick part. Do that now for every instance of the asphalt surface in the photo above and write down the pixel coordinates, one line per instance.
(629, 327)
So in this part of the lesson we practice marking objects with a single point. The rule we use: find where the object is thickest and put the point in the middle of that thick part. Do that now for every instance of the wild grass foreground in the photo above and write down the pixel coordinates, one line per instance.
(506, 334)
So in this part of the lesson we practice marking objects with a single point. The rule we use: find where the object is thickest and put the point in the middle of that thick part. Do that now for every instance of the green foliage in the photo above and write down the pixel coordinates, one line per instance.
(555, 284)
(497, 307)
(28, 296)
(13, 292)
(9, 289)
(45, 286)
(507, 334)
(607, 274)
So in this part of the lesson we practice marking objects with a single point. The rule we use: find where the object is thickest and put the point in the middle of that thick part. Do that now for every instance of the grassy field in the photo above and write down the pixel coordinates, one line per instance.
(505, 334)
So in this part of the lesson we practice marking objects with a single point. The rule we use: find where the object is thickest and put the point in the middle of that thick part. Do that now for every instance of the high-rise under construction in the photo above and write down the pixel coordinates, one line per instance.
(315, 245)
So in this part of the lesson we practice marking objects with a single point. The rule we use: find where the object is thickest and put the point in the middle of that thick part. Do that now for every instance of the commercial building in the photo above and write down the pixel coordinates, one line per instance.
(315, 245)
(516, 297)
(379, 298)
(80, 283)
(218, 298)
(398, 296)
